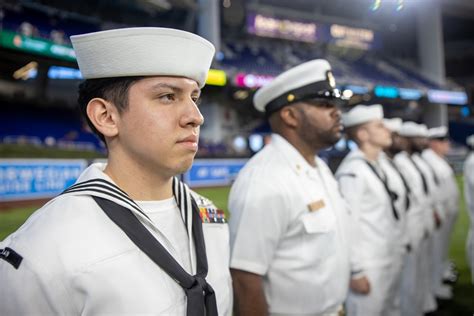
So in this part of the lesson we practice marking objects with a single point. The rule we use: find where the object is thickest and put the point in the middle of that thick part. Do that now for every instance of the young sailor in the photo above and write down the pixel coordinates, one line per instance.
(128, 237)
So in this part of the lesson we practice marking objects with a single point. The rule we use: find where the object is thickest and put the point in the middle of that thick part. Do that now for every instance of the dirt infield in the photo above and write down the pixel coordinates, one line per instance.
(10, 205)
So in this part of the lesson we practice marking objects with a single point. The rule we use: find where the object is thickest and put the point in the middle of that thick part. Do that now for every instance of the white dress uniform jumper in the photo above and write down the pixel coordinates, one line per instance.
(94, 251)
(365, 188)
(448, 193)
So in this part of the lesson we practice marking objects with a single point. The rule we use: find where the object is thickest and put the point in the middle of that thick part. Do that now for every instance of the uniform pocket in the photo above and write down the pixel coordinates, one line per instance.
(320, 221)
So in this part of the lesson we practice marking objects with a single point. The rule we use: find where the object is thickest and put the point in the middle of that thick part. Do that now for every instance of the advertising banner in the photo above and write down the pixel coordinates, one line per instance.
(26, 179)
(213, 172)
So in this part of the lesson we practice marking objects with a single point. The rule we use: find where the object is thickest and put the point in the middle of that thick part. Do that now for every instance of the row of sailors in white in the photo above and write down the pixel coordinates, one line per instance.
(469, 196)
(405, 200)
(299, 247)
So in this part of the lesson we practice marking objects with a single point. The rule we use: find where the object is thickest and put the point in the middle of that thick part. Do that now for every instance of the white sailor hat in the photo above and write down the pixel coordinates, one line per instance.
(393, 124)
(438, 132)
(412, 129)
(470, 140)
(310, 80)
(362, 114)
(143, 51)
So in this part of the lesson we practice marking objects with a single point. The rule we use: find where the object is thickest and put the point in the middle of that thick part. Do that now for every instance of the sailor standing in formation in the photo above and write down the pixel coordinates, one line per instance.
(448, 193)
(128, 238)
(364, 185)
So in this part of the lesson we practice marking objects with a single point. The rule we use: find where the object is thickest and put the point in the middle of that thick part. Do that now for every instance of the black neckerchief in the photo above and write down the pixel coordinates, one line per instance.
(423, 178)
(201, 299)
(405, 184)
(392, 195)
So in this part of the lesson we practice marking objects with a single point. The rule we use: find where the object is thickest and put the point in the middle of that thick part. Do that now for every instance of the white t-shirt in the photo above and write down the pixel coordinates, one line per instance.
(166, 216)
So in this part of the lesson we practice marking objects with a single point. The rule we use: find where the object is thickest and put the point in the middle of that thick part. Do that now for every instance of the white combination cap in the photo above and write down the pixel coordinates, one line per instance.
(310, 80)
(412, 129)
(362, 114)
(143, 51)
(438, 132)
(470, 140)
(393, 124)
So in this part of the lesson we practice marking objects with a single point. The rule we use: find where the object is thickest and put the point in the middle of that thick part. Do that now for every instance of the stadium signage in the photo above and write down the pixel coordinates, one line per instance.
(267, 26)
(26, 179)
(357, 89)
(410, 94)
(448, 97)
(37, 46)
(251, 81)
(213, 172)
(216, 77)
(351, 37)
(386, 92)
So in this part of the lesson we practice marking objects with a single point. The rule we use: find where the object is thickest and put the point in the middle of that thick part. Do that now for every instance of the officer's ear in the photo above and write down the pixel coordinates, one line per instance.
(290, 115)
(104, 115)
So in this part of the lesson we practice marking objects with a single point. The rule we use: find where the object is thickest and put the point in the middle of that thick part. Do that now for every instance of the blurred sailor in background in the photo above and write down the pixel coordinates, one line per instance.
(448, 193)
(128, 238)
(399, 185)
(434, 220)
(411, 296)
(469, 196)
(366, 188)
(290, 228)
(420, 222)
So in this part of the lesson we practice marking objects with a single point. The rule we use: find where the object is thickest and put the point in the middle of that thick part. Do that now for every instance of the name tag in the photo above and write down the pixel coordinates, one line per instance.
(316, 205)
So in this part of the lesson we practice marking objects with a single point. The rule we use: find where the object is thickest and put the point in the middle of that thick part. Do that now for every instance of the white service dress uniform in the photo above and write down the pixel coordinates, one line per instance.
(399, 186)
(413, 288)
(448, 193)
(290, 225)
(76, 261)
(469, 196)
(379, 245)
(427, 245)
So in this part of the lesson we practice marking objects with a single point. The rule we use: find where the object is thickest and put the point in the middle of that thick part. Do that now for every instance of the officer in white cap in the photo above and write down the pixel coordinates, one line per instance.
(127, 238)
(289, 225)
(469, 196)
(448, 193)
(422, 220)
(366, 188)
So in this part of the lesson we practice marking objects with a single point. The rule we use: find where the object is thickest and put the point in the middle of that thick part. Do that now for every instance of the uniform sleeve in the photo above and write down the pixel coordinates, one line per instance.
(258, 219)
(27, 291)
(352, 187)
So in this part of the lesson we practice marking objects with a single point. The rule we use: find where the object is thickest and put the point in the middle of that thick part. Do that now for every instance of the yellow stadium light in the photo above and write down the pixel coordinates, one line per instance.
(216, 77)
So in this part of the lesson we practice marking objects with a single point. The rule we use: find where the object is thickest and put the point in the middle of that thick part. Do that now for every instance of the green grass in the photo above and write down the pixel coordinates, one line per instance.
(462, 304)
(12, 219)
(28, 151)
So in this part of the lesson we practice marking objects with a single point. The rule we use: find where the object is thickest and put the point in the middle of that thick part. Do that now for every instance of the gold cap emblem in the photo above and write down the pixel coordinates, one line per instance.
(290, 97)
(331, 79)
